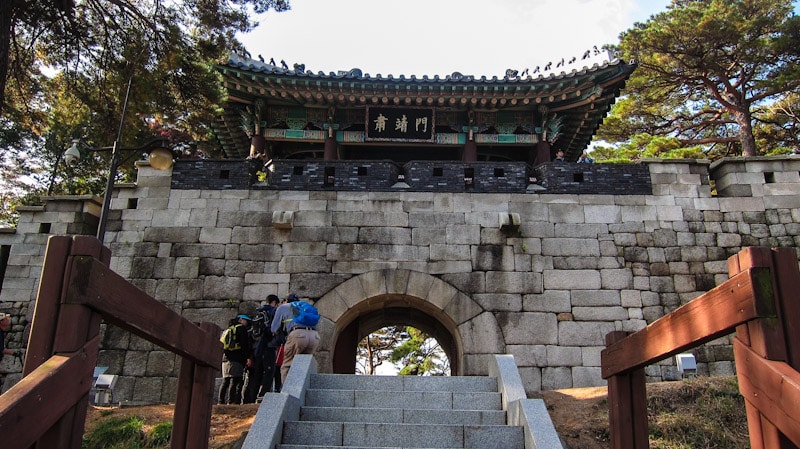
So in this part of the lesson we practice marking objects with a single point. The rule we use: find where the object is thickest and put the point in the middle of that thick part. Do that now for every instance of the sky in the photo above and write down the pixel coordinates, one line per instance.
(439, 37)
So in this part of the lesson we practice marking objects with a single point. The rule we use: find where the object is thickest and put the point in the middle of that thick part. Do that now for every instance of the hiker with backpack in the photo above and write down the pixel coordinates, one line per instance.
(298, 320)
(237, 351)
(5, 325)
(264, 345)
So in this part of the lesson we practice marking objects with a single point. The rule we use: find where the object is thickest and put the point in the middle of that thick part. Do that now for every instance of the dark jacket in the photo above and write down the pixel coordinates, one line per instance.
(266, 339)
(246, 351)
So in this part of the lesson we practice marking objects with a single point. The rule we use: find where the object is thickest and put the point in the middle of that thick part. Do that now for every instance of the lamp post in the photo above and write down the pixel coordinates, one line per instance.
(112, 169)
(160, 159)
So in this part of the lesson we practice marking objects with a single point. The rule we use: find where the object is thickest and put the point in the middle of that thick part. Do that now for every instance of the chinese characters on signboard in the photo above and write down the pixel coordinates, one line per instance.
(399, 124)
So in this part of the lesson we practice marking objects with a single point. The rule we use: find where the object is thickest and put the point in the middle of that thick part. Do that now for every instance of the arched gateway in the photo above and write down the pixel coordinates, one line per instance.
(467, 333)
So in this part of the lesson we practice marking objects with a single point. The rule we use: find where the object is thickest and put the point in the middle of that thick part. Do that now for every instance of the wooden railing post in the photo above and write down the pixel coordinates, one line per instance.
(76, 326)
(768, 339)
(77, 292)
(627, 405)
(194, 402)
(48, 301)
(761, 303)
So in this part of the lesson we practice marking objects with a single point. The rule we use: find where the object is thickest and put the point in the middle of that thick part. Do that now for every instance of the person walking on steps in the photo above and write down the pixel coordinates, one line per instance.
(300, 338)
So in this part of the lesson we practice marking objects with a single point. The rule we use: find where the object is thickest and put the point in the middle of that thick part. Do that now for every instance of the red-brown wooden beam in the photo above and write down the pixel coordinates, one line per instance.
(627, 406)
(766, 337)
(774, 340)
(717, 312)
(788, 274)
(773, 388)
(40, 400)
(40, 343)
(194, 402)
(183, 401)
(94, 285)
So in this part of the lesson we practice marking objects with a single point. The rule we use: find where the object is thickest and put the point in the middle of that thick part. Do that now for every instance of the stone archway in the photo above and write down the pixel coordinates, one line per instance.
(468, 334)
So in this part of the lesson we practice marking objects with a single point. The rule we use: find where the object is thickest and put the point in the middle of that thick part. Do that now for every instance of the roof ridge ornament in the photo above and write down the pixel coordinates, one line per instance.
(352, 73)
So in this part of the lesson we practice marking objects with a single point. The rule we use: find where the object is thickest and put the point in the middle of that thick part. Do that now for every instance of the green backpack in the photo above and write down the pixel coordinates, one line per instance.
(229, 340)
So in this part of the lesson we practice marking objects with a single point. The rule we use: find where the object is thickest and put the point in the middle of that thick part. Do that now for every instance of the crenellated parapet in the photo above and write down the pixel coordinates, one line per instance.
(757, 176)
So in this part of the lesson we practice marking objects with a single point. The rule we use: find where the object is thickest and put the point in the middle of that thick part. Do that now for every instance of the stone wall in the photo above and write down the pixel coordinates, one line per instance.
(545, 288)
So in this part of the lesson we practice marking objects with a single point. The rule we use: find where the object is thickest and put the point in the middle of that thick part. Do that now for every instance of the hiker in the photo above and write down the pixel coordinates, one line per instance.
(5, 325)
(237, 350)
(263, 350)
(300, 339)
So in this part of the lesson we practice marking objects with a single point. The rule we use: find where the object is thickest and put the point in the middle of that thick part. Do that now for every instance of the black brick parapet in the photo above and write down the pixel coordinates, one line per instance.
(213, 174)
(415, 176)
(598, 179)
(477, 177)
(351, 175)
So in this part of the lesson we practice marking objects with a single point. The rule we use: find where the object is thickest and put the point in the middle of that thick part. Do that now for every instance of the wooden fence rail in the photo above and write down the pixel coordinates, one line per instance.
(77, 291)
(761, 302)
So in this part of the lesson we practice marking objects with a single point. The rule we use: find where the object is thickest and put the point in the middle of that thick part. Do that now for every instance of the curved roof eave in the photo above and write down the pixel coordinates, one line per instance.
(584, 96)
(243, 65)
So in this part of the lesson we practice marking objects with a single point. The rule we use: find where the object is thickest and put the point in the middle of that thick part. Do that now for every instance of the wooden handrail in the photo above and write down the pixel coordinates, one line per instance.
(22, 426)
(94, 285)
(746, 296)
(773, 387)
(760, 303)
(77, 291)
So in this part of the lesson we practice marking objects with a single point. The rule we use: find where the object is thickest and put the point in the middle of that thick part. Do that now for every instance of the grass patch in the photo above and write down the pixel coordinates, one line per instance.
(697, 414)
(127, 433)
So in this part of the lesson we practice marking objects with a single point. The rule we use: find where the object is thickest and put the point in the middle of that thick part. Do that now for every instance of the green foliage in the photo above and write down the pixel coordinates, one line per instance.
(420, 355)
(65, 68)
(127, 433)
(707, 68)
(159, 435)
(116, 433)
(642, 146)
(416, 352)
(778, 127)
(376, 348)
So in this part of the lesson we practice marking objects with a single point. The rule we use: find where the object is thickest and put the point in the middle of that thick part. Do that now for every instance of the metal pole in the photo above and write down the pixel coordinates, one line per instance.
(55, 171)
(112, 170)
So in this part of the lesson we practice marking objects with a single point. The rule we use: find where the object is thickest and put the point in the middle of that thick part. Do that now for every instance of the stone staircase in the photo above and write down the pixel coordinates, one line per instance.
(323, 411)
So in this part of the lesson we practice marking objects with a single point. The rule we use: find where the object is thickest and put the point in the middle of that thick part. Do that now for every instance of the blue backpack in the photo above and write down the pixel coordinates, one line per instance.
(304, 314)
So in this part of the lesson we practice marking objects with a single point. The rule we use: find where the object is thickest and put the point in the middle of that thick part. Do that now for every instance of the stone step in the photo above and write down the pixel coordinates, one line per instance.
(433, 400)
(317, 446)
(407, 416)
(403, 383)
(375, 435)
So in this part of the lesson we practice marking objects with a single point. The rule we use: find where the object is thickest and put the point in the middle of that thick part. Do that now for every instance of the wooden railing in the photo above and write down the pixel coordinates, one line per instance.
(761, 302)
(77, 290)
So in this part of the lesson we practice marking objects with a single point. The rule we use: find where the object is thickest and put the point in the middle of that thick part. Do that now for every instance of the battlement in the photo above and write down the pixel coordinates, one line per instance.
(414, 176)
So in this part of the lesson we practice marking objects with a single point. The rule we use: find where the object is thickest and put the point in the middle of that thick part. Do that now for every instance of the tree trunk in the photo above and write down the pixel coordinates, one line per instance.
(6, 20)
(745, 122)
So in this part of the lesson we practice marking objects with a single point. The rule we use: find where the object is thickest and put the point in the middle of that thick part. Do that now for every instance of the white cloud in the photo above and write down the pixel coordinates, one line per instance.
(439, 37)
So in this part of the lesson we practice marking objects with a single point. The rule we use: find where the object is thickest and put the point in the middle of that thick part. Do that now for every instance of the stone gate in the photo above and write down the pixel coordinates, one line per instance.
(541, 271)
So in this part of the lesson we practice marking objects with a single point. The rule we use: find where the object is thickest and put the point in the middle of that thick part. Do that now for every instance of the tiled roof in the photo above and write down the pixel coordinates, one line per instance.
(581, 96)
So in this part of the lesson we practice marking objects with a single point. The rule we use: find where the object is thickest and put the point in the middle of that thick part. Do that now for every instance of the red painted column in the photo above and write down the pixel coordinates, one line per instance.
(470, 151)
(542, 152)
(257, 145)
(331, 149)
